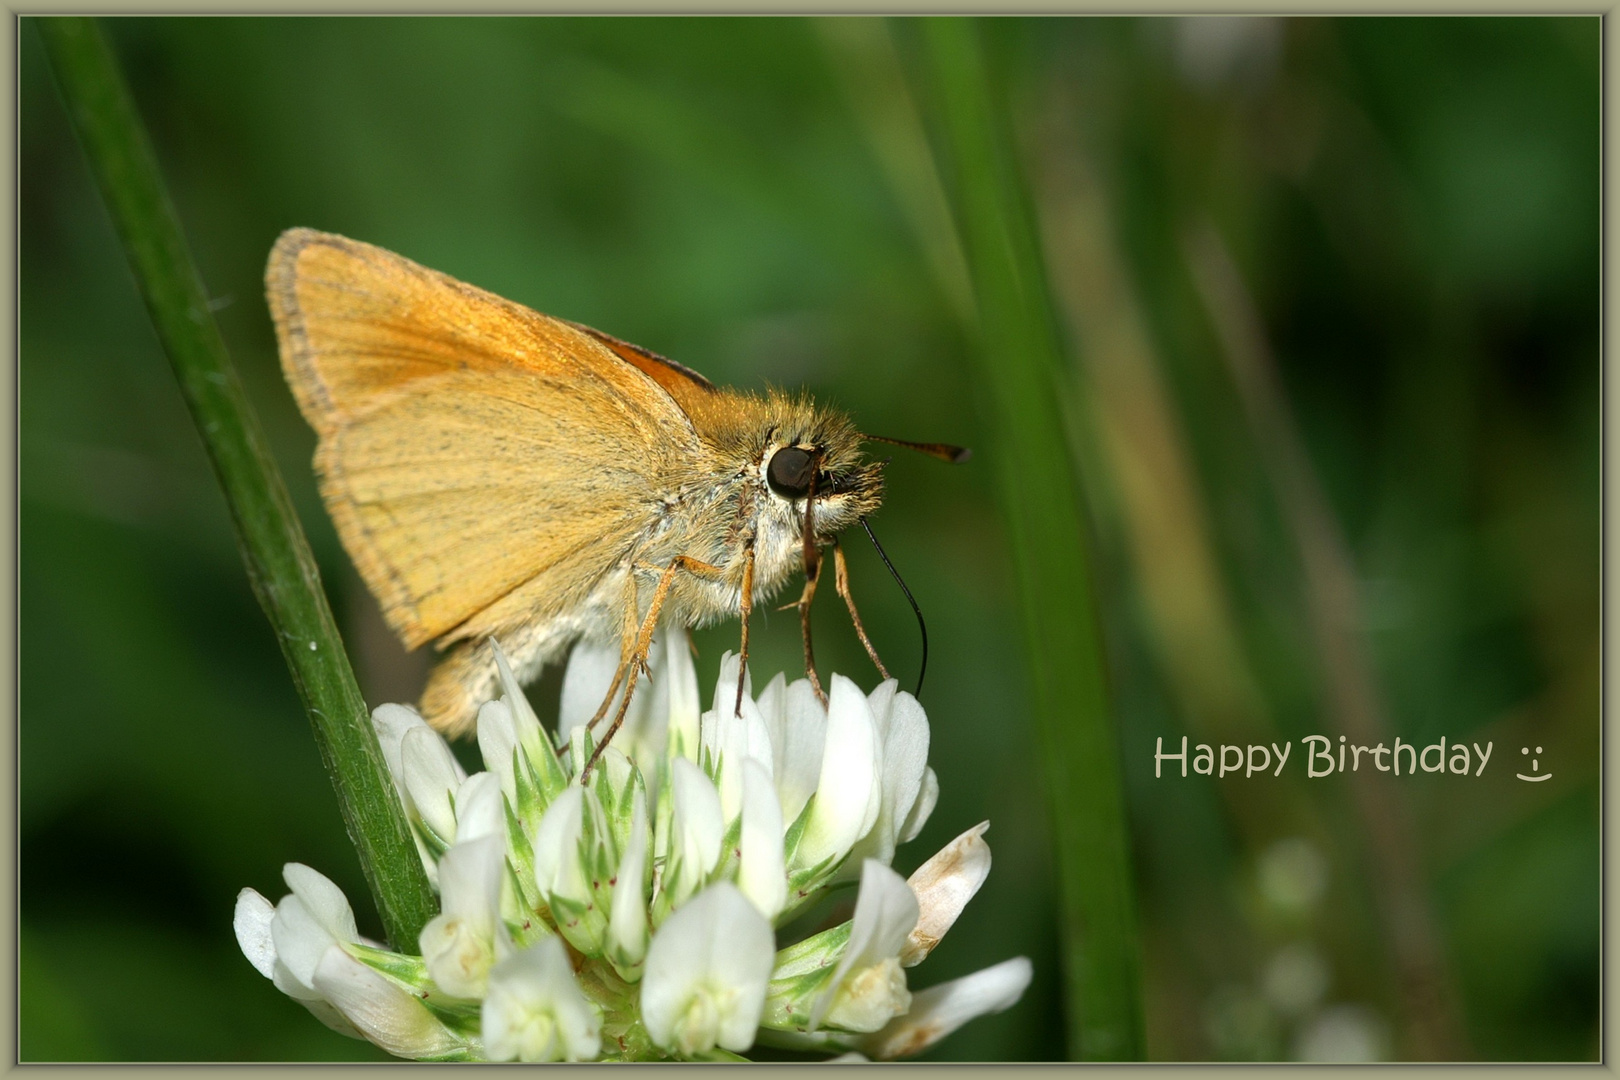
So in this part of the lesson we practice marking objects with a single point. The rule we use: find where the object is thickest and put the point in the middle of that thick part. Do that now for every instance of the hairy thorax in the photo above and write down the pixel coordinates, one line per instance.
(722, 517)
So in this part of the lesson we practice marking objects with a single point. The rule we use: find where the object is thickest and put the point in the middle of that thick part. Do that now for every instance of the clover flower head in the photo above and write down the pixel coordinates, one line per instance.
(634, 915)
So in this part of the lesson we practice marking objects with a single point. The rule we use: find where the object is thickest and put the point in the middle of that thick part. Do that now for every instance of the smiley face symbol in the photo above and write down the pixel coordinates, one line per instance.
(1535, 763)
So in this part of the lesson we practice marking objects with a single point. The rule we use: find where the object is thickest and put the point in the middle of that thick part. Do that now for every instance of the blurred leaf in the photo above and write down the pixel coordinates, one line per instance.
(1020, 365)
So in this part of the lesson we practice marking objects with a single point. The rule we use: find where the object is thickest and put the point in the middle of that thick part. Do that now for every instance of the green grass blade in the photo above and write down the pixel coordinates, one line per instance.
(1021, 364)
(278, 558)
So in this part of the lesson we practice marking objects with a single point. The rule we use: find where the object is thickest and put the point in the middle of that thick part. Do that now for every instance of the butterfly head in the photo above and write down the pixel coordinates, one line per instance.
(812, 467)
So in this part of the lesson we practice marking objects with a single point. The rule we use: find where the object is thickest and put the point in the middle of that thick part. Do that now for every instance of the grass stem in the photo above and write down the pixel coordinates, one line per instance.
(279, 563)
(1021, 365)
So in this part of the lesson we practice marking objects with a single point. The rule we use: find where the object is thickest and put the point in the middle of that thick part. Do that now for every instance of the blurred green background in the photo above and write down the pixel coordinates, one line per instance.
(1330, 291)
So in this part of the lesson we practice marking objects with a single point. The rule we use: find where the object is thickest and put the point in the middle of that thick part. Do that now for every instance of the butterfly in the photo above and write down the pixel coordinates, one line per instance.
(501, 475)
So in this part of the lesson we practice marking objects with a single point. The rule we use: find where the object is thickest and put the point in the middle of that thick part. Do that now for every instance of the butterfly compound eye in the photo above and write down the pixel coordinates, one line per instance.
(790, 471)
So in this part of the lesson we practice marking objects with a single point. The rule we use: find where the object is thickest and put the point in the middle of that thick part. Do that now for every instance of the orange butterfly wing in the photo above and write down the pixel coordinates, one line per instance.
(484, 464)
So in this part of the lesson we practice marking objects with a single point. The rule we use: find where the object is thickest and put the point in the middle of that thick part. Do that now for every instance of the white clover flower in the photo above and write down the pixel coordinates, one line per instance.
(707, 969)
(867, 988)
(309, 947)
(535, 1011)
(634, 916)
(459, 945)
(940, 1010)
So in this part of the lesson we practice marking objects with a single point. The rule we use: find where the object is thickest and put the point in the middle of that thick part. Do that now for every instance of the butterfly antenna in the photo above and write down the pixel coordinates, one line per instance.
(951, 455)
(922, 626)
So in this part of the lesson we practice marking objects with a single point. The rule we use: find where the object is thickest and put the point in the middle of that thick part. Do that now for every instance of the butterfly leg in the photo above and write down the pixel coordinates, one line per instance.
(841, 583)
(812, 571)
(811, 575)
(627, 642)
(643, 644)
(747, 608)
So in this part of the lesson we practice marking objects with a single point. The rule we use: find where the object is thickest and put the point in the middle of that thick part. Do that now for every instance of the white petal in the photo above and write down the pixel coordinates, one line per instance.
(480, 808)
(670, 679)
(669, 687)
(881, 702)
(392, 722)
(696, 829)
(327, 1013)
(869, 997)
(772, 705)
(470, 880)
(252, 926)
(904, 732)
(535, 1011)
(676, 699)
(310, 920)
(885, 913)
(457, 956)
(556, 846)
(384, 1013)
(431, 778)
(289, 984)
(627, 921)
(761, 872)
(324, 900)
(590, 671)
(311, 999)
(848, 792)
(725, 685)
(497, 739)
(943, 886)
(927, 796)
(734, 739)
(300, 941)
(525, 724)
(804, 735)
(886, 910)
(940, 1010)
(458, 945)
(905, 757)
(707, 969)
